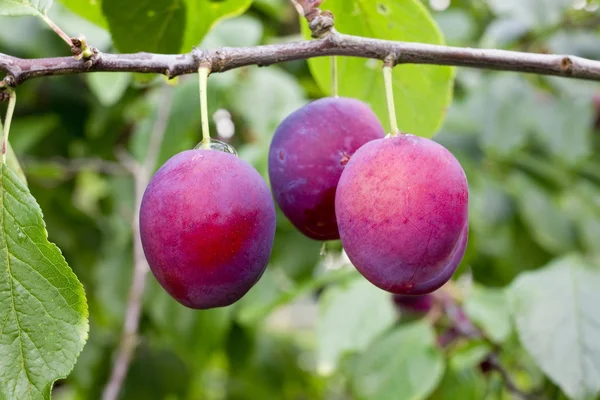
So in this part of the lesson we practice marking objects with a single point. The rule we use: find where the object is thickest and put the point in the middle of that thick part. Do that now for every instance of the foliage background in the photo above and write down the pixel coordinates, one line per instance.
(308, 330)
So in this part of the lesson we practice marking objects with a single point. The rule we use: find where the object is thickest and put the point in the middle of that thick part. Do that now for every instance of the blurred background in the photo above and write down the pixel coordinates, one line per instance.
(529, 145)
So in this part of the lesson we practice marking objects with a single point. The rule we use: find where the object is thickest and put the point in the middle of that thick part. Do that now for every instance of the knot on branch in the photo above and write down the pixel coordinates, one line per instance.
(83, 51)
(320, 22)
(6, 87)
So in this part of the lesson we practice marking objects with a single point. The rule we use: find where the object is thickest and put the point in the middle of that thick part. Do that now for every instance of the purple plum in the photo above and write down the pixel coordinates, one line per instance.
(402, 212)
(418, 304)
(207, 223)
(308, 154)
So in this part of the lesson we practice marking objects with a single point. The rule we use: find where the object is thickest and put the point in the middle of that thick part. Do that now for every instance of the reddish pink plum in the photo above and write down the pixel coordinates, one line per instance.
(308, 154)
(207, 224)
(401, 208)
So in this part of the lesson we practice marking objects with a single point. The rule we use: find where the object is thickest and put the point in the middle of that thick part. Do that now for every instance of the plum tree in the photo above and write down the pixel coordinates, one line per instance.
(207, 224)
(308, 154)
(401, 208)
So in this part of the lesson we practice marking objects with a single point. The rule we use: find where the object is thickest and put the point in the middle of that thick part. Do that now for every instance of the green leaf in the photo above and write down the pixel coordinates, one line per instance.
(13, 163)
(155, 26)
(488, 308)
(502, 107)
(531, 12)
(549, 225)
(194, 335)
(557, 318)
(564, 125)
(350, 317)
(202, 15)
(463, 384)
(422, 93)
(88, 9)
(42, 304)
(108, 87)
(24, 7)
(406, 364)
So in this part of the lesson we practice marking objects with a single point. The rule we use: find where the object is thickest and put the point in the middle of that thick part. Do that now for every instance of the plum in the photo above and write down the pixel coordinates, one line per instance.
(207, 223)
(417, 304)
(307, 155)
(401, 207)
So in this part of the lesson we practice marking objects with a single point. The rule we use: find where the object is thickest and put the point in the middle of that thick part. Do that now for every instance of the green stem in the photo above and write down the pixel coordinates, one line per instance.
(203, 72)
(389, 94)
(334, 77)
(57, 29)
(7, 121)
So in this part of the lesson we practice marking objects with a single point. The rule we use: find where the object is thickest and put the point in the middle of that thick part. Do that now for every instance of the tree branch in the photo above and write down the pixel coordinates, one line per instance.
(333, 44)
(141, 174)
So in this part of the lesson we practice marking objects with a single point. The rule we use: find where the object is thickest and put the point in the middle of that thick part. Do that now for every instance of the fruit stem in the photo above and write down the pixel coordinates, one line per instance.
(203, 72)
(334, 77)
(57, 29)
(389, 93)
(7, 121)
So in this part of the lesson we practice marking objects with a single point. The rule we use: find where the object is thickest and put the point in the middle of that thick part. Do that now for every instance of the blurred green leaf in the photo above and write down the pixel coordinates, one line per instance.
(463, 384)
(146, 25)
(25, 133)
(88, 9)
(242, 31)
(24, 7)
(550, 226)
(350, 317)
(422, 93)
(265, 109)
(202, 15)
(557, 318)
(13, 163)
(563, 126)
(43, 305)
(533, 13)
(488, 308)
(108, 87)
(501, 104)
(195, 335)
(582, 203)
(156, 374)
(405, 364)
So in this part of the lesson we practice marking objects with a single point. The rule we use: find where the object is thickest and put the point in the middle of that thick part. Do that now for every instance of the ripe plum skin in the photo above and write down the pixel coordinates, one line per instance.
(308, 154)
(402, 212)
(207, 224)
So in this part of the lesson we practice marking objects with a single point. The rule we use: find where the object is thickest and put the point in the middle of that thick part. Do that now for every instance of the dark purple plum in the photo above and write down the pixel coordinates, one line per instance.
(207, 223)
(308, 154)
(417, 304)
(402, 212)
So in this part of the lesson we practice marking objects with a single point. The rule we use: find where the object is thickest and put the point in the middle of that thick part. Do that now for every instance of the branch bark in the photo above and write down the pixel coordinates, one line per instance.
(333, 44)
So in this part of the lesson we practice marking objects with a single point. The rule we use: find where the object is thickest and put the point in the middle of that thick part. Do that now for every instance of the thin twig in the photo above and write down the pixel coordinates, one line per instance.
(333, 44)
(141, 174)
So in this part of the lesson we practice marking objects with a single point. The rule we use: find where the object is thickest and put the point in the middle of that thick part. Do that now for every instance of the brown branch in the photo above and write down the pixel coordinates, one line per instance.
(141, 174)
(333, 44)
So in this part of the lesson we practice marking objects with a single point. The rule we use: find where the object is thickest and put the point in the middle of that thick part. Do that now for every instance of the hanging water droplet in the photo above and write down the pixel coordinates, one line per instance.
(218, 146)
(323, 251)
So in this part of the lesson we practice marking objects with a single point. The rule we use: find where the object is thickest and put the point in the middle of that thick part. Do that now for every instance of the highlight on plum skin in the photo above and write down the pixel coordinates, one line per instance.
(207, 224)
(402, 212)
(308, 154)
